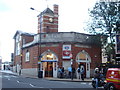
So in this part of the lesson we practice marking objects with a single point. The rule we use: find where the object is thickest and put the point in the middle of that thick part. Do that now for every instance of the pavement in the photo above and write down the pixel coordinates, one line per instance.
(51, 79)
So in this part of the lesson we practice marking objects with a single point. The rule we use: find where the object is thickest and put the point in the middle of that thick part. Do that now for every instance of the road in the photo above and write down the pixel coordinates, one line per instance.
(12, 81)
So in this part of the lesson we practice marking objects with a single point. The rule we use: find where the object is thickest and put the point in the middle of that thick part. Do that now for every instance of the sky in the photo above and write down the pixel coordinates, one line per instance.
(17, 15)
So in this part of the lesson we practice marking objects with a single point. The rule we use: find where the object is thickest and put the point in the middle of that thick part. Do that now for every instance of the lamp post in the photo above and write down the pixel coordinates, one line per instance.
(39, 50)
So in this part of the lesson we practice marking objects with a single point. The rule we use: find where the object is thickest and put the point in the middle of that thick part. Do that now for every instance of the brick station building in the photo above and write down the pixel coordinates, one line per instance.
(49, 49)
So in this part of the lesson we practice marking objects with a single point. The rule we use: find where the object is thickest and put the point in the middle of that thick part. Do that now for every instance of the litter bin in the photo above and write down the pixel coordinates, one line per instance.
(40, 74)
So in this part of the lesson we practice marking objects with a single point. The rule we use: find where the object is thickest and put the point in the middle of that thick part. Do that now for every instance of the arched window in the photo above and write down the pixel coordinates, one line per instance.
(49, 56)
(83, 57)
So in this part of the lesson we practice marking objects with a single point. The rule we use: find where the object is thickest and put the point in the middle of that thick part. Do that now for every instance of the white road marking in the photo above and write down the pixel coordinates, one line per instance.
(8, 78)
(34, 86)
(90, 83)
(31, 85)
(63, 82)
(18, 81)
(83, 83)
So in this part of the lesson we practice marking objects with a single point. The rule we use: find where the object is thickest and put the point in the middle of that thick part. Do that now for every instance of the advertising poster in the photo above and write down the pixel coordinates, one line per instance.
(117, 44)
(66, 52)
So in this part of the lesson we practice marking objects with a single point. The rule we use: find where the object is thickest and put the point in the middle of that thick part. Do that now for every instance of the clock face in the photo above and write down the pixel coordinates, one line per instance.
(50, 19)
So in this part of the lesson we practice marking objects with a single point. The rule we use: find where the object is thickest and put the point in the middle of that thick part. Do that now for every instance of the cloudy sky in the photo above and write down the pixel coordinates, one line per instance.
(16, 15)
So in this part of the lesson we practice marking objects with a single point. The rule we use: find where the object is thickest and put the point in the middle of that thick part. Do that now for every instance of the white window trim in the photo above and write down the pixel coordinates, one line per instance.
(27, 56)
(18, 48)
(18, 39)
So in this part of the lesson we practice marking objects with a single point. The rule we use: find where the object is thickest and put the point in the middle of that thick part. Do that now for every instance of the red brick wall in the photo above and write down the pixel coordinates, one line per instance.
(33, 57)
(94, 50)
(17, 60)
(53, 27)
(95, 56)
(27, 38)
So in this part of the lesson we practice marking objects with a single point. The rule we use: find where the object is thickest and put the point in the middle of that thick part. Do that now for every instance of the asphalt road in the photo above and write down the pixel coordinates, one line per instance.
(12, 81)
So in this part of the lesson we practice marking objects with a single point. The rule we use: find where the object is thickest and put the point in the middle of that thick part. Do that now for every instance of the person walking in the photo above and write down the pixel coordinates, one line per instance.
(73, 72)
(69, 71)
(79, 72)
(62, 72)
(82, 74)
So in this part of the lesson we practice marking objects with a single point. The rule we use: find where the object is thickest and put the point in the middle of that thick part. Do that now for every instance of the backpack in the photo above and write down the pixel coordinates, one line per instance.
(78, 70)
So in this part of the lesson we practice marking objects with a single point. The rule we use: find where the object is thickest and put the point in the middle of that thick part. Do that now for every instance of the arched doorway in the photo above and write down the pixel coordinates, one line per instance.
(83, 59)
(49, 64)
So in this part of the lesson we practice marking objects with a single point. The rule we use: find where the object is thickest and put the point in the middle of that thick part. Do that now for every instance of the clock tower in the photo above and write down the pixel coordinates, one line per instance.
(48, 20)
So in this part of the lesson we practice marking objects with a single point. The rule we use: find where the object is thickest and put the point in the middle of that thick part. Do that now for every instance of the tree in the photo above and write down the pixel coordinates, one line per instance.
(105, 22)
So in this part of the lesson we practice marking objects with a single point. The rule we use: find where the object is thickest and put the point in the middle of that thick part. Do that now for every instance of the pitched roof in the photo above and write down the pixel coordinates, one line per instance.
(23, 33)
(48, 11)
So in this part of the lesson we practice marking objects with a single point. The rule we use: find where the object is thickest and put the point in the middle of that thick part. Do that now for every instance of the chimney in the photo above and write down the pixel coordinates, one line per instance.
(55, 9)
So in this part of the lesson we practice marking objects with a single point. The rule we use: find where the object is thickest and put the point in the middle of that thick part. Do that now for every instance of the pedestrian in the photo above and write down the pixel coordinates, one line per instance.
(69, 72)
(59, 72)
(82, 74)
(79, 72)
(62, 69)
(73, 72)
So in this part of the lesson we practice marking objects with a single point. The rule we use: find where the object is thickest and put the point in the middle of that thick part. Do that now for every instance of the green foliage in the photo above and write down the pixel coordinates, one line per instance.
(105, 21)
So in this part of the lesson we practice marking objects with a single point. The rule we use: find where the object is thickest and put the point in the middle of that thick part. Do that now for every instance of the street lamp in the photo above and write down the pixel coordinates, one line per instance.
(39, 50)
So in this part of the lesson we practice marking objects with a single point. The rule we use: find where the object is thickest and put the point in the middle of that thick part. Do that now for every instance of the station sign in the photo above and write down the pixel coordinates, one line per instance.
(66, 52)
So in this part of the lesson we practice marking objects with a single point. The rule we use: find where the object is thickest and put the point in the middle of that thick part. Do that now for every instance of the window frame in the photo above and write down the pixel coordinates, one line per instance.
(27, 56)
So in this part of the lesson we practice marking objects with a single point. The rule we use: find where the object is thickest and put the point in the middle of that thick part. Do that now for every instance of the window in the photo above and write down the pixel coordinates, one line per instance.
(27, 56)
(82, 56)
(18, 39)
(47, 29)
(49, 56)
(24, 41)
(17, 48)
(41, 19)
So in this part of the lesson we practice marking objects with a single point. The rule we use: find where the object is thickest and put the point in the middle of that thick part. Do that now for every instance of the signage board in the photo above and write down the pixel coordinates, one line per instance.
(66, 52)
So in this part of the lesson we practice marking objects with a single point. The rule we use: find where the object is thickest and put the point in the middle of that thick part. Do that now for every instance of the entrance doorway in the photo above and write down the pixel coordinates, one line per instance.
(49, 69)
(84, 59)
(83, 67)
(49, 64)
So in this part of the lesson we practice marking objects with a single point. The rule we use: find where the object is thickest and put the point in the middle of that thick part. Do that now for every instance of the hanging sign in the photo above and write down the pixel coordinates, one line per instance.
(66, 52)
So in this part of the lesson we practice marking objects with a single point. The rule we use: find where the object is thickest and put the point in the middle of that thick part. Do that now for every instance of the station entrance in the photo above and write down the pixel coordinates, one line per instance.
(83, 59)
(49, 64)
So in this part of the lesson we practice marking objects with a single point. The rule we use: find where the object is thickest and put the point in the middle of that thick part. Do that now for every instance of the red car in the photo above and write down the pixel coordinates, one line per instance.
(112, 79)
